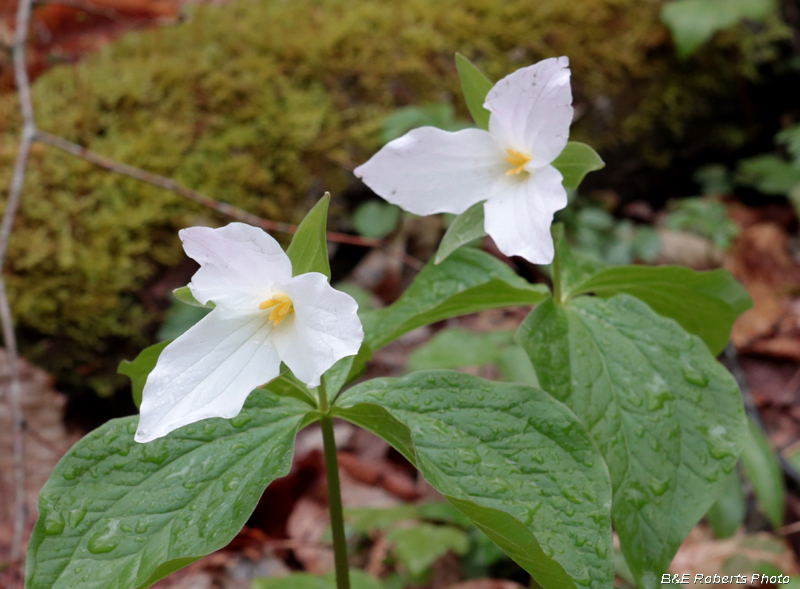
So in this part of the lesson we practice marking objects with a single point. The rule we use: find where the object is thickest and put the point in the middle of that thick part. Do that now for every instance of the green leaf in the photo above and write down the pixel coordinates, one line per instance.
(179, 319)
(116, 513)
(376, 219)
(727, 513)
(790, 137)
(309, 248)
(466, 282)
(693, 22)
(705, 304)
(768, 174)
(346, 370)
(475, 86)
(358, 580)
(764, 472)
(140, 367)
(419, 546)
(513, 460)
(288, 385)
(667, 417)
(577, 160)
(457, 348)
(184, 295)
(570, 268)
(403, 120)
(467, 227)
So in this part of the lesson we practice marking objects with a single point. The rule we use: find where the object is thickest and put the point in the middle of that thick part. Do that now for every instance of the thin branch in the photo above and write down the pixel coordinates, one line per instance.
(12, 203)
(198, 197)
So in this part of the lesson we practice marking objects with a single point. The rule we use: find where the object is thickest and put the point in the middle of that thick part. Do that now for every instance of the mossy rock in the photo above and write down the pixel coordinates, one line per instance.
(267, 104)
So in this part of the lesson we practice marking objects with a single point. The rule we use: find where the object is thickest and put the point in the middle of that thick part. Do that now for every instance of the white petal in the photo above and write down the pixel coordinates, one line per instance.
(429, 171)
(238, 265)
(531, 110)
(207, 372)
(323, 329)
(519, 218)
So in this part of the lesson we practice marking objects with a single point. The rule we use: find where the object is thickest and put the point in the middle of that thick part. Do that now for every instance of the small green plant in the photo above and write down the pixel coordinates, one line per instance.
(633, 422)
(703, 216)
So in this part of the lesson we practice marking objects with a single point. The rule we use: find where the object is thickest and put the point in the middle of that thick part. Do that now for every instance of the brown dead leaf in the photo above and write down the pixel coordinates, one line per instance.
(760, 260)
(46, 441)
(702, 554)
(486, 584)
(307, 525)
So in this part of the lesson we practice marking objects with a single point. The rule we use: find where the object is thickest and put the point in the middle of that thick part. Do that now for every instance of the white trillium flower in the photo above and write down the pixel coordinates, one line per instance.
(429, 171)
(262, 316)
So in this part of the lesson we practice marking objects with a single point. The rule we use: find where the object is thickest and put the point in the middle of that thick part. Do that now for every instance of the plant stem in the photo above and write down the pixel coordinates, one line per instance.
(334, 493)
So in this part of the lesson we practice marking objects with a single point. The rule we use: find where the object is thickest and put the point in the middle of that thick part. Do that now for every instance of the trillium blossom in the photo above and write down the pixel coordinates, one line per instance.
(262, 316)
(429, 171)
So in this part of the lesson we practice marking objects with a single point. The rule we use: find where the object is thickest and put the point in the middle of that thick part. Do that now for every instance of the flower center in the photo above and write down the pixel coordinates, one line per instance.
(281, 305)
(518, 160)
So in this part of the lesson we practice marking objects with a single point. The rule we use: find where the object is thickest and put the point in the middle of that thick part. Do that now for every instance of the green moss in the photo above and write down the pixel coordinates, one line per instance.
(265, 104)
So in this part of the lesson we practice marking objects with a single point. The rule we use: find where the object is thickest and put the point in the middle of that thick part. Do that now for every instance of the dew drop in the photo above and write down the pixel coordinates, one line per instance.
(693, 377)
(54, 523)
(105, 540)
(659, 487)
(76, 517)
(241, 420)
(71, 474)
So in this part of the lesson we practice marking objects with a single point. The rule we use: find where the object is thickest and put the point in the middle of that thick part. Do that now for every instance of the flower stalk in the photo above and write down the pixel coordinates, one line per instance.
(334, 493)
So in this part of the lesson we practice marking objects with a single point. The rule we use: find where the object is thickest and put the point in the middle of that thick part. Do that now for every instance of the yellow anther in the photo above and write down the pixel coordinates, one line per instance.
(518, 160)
(281, 305)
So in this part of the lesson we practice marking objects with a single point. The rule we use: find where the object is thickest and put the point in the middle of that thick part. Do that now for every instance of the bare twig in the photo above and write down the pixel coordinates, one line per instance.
(12, 203)
(198, 197)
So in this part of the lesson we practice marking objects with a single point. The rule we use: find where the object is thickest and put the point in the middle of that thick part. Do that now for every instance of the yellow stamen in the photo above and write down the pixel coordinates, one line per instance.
(518, 160)
(282, 307)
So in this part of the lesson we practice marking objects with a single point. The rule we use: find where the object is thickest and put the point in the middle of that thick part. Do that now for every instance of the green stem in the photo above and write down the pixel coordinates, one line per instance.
(556, 277)
(334, 493)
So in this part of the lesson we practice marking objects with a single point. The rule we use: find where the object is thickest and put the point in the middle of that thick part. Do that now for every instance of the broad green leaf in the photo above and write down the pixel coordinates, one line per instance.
(116, 513)
(727, 513)
(764, 472)
(667, 417)
(577, 160)
(138, 369)
(184, 295)
(457, 348)
(309, 248)
(467, 227)
(466, 282)
(475, 86)
(513, 460)
(376, 219)
(358, 580)
(419, 546)
(693, 22)
(704, 303)
(569, 268)
(403, 120)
